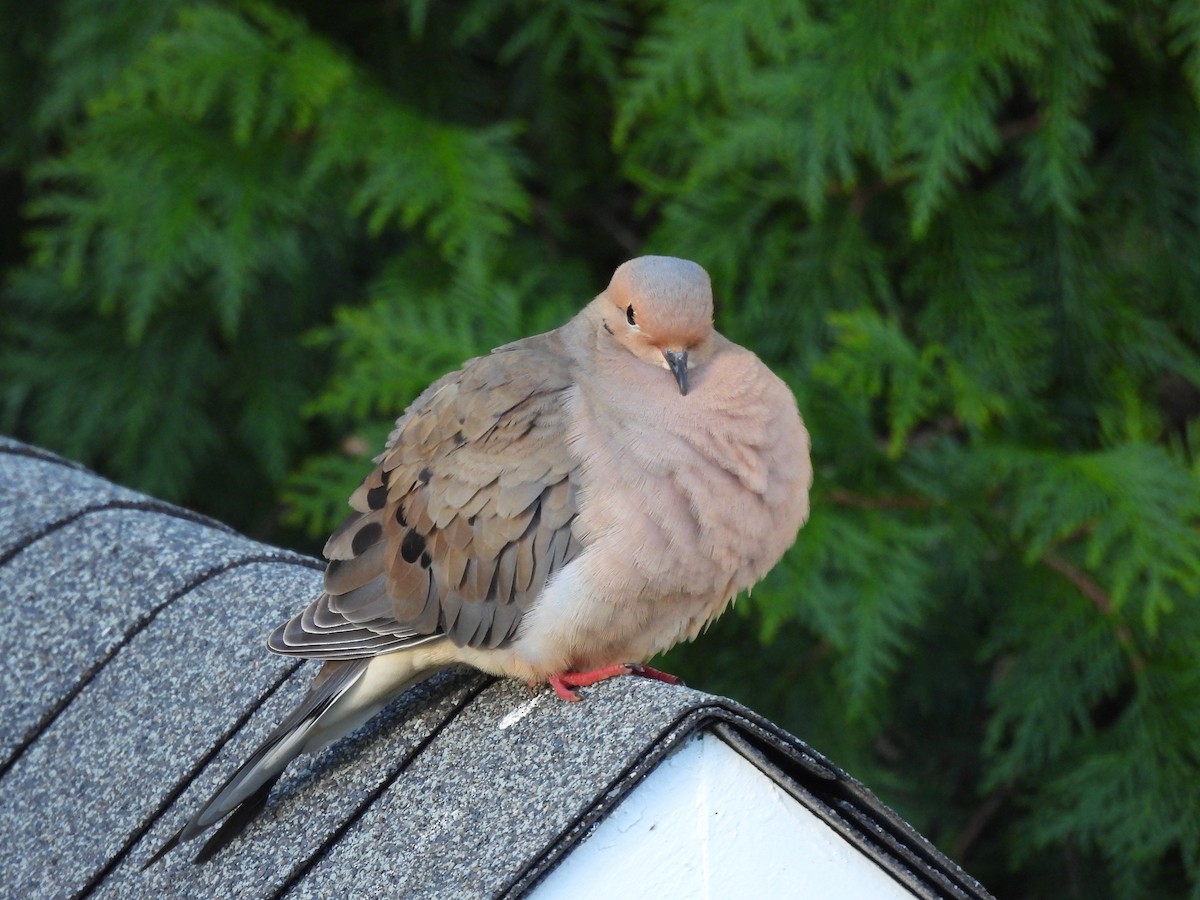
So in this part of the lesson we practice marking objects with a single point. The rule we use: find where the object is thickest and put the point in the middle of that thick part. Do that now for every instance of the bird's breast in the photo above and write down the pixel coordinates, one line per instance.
(683, 501)
(690, 495)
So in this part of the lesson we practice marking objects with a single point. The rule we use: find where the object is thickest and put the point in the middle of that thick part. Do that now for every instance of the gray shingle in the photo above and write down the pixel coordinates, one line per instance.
(142, 681)
(493, 792)
(95, 581)
(40, 490)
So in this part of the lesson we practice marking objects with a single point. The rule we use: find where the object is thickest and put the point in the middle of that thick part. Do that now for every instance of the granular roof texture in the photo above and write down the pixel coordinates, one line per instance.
(136, 678)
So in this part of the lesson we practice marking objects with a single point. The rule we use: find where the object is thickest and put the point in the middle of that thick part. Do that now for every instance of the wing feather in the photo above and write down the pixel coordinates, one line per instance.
(466, 515)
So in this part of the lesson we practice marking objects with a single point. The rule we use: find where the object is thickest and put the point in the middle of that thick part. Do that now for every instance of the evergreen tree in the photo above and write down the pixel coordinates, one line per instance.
(967, 233)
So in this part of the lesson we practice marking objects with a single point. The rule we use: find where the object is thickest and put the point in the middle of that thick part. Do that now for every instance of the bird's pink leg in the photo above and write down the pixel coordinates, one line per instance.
(564, 682)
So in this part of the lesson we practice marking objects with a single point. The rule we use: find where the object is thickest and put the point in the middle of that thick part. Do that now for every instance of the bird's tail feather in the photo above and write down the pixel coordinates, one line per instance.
(343, 696)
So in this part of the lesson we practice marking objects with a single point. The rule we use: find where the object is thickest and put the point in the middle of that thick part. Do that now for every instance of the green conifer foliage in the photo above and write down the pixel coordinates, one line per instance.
(967, 233)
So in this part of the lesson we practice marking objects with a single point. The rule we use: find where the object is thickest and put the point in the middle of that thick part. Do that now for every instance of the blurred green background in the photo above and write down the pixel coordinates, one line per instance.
(238, 238)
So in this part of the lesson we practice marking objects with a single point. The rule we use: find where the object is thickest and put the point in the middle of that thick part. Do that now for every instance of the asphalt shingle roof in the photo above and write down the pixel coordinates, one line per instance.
(136, 678)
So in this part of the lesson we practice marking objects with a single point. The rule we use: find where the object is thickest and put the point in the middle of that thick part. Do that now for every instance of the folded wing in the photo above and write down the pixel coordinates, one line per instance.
(467, 513)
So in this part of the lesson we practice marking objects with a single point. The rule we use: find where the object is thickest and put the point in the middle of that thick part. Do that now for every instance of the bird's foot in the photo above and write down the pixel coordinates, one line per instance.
(564, 682)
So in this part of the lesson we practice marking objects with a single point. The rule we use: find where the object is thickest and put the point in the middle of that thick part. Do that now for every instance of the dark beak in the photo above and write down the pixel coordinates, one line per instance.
(677, 363)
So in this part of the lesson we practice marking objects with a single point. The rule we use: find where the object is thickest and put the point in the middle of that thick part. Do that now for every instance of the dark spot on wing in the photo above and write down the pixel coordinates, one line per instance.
(400, 516)
(365, 537)
(426, 560)
(412, 547)
(424, 475)
(377, 496)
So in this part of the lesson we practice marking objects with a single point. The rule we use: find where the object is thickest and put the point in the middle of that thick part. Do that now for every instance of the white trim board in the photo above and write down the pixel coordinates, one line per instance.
(707, 824)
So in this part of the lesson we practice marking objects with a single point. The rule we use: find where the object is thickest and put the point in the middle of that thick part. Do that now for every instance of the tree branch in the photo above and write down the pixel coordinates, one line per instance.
(1100, 598)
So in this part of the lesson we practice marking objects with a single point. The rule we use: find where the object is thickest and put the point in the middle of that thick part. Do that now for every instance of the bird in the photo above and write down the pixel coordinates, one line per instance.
(559, 510)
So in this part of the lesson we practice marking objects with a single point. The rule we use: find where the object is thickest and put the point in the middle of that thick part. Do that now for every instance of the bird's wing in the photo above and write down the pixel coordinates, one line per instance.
(466, 515)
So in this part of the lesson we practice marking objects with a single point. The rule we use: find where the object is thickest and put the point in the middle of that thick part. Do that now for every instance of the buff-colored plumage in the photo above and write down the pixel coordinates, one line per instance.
(574, 500)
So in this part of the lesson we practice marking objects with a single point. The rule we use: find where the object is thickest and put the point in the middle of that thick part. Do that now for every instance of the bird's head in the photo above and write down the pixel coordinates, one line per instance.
(660, 309)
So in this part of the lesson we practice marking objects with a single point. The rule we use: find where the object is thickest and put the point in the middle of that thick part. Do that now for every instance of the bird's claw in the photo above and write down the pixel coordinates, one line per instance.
(564, 682)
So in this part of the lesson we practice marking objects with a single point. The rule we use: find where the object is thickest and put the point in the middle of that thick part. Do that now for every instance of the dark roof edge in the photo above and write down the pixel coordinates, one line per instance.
(843, 803)
(14, 447)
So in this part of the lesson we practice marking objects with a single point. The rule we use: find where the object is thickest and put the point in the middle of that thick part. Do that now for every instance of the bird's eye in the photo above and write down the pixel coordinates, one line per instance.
(629, 315)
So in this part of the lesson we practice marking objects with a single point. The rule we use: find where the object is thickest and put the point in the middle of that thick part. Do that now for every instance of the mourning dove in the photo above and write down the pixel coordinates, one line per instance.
(558, 511)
